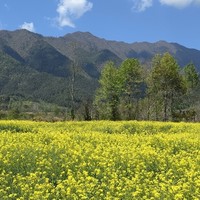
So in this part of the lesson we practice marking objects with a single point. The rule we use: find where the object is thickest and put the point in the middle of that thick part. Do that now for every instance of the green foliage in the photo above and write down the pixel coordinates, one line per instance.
(131, 80)
(126, 93)
(165, 75)
(120, 90)
(107, 97)
(131, 77)
(166, 84)
(191, 76)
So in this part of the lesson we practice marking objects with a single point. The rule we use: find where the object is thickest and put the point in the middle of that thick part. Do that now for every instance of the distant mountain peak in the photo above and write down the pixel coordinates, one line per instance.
(82, 36)
(81, 33)
(87, 46)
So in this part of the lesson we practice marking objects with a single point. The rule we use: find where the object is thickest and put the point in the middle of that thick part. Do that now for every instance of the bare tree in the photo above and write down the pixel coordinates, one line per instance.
(73, 81)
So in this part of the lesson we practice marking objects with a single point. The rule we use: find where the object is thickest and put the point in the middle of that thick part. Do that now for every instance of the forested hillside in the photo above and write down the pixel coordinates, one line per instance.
(58, 77)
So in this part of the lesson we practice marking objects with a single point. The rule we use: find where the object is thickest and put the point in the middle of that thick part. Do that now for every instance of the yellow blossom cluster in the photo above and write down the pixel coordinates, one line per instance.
(99, 160)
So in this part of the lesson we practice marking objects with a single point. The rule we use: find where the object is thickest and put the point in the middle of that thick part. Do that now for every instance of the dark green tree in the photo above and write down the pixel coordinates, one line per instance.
(166, 85)
(107, 96)
(191, 76)
(191, 98)
(131, 84)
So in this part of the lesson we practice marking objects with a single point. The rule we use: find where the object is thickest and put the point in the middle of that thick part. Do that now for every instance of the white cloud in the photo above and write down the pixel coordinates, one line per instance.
(142, 5)
(28, 26)
(179, 3)
(68, 10)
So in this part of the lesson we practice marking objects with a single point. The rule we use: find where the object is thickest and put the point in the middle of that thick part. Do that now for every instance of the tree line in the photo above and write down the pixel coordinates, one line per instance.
(165, 92)
(162, 92)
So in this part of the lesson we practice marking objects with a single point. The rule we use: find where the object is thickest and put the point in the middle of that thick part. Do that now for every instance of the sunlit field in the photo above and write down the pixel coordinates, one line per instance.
(99, 160)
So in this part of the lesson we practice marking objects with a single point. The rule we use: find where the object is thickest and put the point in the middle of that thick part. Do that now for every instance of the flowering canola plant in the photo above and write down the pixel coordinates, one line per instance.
(99, 160)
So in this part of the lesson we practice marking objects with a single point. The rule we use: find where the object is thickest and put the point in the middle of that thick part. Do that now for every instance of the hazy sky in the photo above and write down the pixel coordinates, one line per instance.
(121, 20)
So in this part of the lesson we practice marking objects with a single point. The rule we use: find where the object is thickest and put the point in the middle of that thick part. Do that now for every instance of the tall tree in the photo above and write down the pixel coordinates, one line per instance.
(72, 92)
(154, 96)
(191, 76)
(74, 71)
(191, 98)
(107, 96)
(166, 83)
(131, 83)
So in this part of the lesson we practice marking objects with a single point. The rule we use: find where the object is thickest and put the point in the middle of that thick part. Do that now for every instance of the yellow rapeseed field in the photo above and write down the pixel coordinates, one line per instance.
(99, 160)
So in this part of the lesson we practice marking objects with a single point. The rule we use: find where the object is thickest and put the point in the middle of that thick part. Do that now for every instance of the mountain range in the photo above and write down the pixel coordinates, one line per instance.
(36, 67)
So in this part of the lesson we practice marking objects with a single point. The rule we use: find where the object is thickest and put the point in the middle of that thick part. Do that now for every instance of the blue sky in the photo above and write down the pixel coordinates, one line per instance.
(120, 20)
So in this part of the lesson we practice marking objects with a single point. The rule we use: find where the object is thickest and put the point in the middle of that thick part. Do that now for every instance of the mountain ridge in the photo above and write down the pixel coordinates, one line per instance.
(141, 50)
(90, 44)
(47, 64)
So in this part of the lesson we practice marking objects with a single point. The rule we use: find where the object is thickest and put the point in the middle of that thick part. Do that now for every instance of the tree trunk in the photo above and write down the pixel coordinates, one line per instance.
(165, 106)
